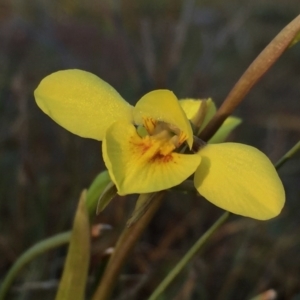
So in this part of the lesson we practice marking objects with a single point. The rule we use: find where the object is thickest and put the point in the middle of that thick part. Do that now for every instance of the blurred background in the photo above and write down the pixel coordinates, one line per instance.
(195, 48)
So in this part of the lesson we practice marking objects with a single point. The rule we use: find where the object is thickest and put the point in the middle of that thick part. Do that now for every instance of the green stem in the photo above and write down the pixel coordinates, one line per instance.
(29, 255)
(188, 257)
(123, 248)
(287, 156)
(194, 250)
(252, 75)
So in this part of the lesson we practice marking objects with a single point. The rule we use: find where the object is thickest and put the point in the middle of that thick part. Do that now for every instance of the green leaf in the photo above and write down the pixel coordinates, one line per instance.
(222, 133)
(30, 254)
(73, 281)
(107, 195)
(288, 155)
(95, 190)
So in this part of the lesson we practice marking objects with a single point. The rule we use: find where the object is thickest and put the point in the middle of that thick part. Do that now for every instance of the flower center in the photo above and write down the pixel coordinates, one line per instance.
(166, 136)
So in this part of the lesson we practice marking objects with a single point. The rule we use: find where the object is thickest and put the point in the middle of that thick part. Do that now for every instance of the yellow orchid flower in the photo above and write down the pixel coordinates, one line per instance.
(141, 144)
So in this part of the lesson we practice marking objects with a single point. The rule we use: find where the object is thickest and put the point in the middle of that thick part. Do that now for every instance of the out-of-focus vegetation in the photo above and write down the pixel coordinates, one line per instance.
(195, 48)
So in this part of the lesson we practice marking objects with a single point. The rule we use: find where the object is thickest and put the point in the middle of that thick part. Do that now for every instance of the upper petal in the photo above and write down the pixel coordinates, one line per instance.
(240, 179)
(135, 165)
(81, 102)
(162, 105)
(192, 108)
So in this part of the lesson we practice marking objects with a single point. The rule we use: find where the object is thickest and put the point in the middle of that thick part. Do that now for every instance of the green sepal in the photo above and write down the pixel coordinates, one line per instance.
(222, 133)
(107, 195)
(95, 190)
(141, 206)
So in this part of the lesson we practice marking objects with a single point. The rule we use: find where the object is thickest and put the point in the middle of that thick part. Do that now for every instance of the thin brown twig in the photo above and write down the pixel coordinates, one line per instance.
(252, 75)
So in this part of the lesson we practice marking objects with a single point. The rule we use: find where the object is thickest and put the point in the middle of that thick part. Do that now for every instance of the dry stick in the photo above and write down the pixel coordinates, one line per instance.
(255, 71)
(124, 246)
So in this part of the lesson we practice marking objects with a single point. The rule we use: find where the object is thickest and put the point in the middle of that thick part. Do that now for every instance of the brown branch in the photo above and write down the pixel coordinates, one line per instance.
(123, 248)
(254, 72)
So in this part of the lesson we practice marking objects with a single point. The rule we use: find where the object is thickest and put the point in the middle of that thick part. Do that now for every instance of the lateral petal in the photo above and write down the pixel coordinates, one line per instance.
(136, 166)
(162, 105)
(192, 107)
(240, 179)
(81, 102)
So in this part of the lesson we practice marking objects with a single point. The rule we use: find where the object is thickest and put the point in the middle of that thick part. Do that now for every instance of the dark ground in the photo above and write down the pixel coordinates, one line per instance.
(195, 48)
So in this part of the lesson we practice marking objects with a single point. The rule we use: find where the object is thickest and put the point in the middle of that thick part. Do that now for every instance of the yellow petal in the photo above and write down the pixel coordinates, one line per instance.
(162, 105)
(135, 165)
(192, 107)
(222, 133)
(81, 102)
(240, 179)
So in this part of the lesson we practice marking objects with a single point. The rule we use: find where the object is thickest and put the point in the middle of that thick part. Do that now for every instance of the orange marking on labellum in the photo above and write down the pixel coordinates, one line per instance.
(160, 158)
(141, 146)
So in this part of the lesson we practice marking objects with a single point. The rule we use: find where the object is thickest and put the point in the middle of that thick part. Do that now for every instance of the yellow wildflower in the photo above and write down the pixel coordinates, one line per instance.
(141, 144)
